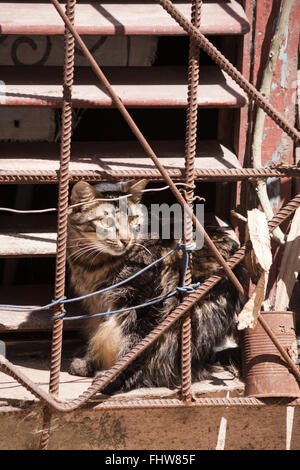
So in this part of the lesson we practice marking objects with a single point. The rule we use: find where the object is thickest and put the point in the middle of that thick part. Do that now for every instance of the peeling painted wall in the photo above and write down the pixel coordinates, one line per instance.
(277, 146)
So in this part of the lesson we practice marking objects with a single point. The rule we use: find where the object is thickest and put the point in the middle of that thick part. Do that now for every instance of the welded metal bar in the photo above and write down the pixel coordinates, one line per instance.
(100, 382)
(136, 131)
(196, 403)
(190, 153)
(63, 194)
(230, 174)
(225, 65)
(6, 368)
(45, 434)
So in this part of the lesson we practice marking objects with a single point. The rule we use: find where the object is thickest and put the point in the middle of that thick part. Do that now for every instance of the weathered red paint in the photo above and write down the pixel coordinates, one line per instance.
(276, 145)
(120, 18)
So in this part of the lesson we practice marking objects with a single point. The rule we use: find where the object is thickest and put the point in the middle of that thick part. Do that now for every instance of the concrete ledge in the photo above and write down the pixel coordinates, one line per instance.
(229, 428)
(96, 428)
(220, 384)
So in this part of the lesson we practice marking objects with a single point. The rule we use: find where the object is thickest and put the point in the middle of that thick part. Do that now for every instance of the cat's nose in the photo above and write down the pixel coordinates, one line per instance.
(126, 242)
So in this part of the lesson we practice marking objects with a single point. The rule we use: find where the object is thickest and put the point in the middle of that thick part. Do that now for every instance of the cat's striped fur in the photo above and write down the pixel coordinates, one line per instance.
(110, 337)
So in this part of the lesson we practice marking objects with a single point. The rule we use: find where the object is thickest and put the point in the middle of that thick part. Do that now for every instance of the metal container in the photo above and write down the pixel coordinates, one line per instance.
(266, 374)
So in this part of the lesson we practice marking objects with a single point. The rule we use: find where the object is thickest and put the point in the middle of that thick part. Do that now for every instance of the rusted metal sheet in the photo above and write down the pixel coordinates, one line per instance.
(136, 86)
(119, 18)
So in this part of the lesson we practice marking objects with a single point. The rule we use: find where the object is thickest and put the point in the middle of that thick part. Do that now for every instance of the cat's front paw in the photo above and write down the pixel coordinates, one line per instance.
(82, 367)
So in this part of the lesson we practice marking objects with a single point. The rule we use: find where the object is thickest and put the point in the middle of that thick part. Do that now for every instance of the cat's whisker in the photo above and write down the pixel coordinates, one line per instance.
(139, 244)
(93, 256)
(89, 247)
(81, 251)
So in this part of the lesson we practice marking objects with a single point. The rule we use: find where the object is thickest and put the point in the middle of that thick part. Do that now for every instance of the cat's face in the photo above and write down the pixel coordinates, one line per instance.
(104, 227)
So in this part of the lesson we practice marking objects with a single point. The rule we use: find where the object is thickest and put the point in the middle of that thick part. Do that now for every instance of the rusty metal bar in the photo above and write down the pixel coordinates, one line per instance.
(230, 174)
(65, 152)
(118, 103)
(45, 435)
(100, 382)
(190, 153)
(197, 402)
(174, 403)
(63, 193)
(177, 313)
(225, 65)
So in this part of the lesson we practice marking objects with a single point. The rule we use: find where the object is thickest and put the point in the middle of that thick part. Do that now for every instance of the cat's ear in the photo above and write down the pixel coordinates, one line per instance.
(136, 188)
(83, 192)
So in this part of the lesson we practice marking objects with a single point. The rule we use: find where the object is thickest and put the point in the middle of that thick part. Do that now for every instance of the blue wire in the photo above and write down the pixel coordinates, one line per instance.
(126, 309)
(75, 299)
(125, 280)
(191, 287)
(182, 288)
(64, 300)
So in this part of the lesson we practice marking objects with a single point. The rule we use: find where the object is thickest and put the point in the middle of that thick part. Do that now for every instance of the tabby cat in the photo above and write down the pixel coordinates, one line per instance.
(97, 262)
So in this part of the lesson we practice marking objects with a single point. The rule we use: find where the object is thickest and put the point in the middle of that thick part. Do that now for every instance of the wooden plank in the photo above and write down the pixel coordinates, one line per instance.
(220, 384)
(12, 320)
(109, 18)
(136, 86)
(104, 156)
(25, 236)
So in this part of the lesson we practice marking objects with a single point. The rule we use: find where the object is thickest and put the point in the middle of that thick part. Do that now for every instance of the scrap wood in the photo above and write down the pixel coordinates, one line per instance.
(290, 265)
(249, 314)
(259, 260)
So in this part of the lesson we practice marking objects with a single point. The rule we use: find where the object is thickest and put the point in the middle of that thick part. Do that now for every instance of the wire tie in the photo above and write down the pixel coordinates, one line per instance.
(58, 301)
(189, 247)
(179, 246)
(189, 288)
(61, 315)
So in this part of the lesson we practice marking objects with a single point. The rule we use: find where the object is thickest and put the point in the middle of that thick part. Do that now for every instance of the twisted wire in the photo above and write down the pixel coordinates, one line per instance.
(190, 153)
(225, 65)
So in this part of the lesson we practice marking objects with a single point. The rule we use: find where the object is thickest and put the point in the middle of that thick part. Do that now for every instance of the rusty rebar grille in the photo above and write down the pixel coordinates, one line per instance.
(64, 176)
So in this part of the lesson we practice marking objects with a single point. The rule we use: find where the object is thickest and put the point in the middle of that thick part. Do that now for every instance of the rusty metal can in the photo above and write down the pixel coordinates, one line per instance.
(266, 373)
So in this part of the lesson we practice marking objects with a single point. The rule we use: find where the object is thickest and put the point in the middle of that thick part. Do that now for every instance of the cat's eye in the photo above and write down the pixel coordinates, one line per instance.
(108, 222)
